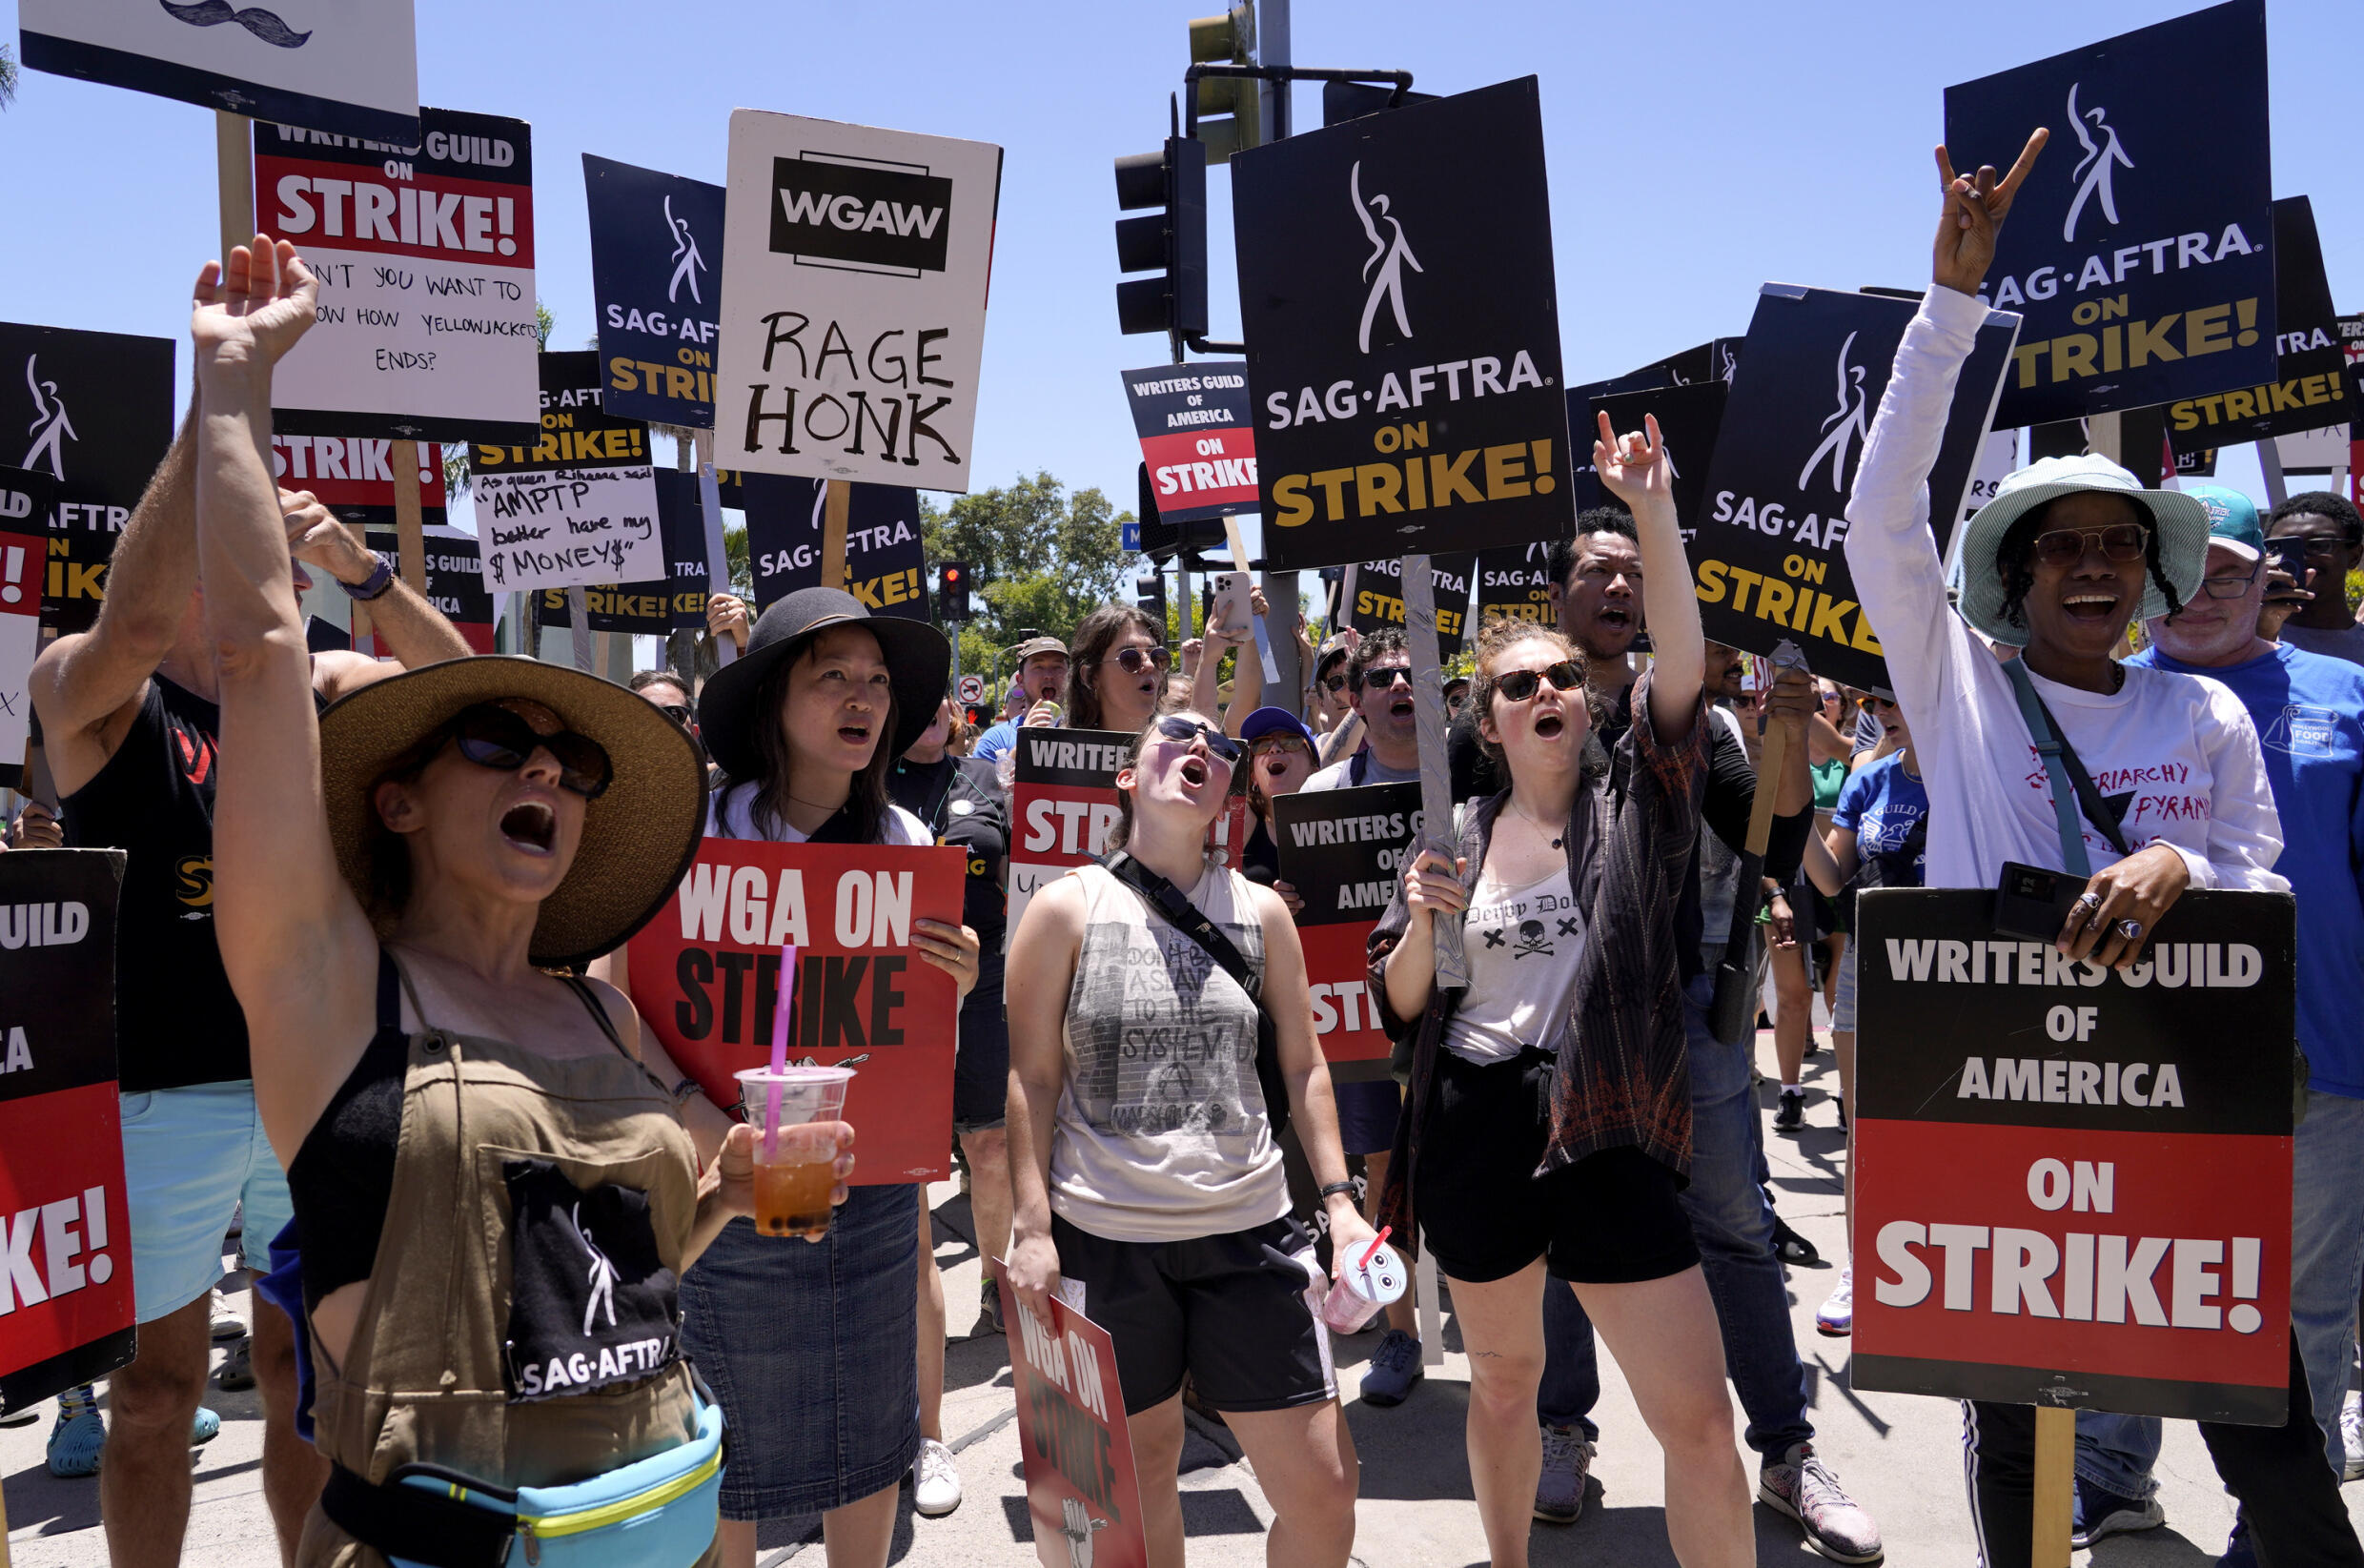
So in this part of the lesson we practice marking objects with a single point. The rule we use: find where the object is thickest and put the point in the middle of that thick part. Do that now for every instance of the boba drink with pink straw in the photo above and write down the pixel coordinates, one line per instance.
(1370, 1280)
(795, 1171)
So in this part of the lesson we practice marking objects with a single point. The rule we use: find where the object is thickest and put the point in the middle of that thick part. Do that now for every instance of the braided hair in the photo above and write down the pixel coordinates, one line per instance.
(2015, 560)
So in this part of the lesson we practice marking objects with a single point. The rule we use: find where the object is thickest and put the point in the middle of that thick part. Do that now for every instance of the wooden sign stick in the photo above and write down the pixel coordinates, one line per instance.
(1428, 696)
(834, 510)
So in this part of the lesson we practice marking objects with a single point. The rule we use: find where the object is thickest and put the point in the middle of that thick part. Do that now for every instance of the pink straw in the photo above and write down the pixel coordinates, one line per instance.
(780, 1018)
(1385, 1231)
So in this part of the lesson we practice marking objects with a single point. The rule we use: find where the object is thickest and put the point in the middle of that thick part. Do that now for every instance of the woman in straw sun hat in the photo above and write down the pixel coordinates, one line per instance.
(394, 880)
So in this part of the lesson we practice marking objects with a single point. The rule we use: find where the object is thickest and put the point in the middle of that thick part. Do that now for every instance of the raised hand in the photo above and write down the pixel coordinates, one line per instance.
(1634, 466)
(1975, 206)
(251, 308)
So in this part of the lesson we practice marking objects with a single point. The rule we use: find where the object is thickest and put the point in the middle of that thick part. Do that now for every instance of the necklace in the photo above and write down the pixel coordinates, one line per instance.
(817, 805)
(1557, 838)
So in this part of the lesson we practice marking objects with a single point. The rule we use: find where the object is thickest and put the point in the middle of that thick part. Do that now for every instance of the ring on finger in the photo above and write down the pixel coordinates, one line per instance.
(2130, 929)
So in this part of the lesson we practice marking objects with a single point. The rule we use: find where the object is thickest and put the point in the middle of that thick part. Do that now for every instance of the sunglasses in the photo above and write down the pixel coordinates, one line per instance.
(1134, 661)
(1518, 685)
(495, 738)
(685, 717)
(1334, 684)
(1869, 702)
(1386, 676)
(1271, 744)
(2231, 586)
(2317, 546)
(1175, 727)
(2120, 541)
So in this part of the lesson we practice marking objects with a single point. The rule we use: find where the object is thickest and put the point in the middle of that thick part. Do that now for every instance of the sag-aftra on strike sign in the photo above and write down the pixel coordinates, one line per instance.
(2073, 1184)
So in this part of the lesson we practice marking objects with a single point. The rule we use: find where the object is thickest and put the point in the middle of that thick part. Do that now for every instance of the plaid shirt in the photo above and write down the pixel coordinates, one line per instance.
(1623, 1077)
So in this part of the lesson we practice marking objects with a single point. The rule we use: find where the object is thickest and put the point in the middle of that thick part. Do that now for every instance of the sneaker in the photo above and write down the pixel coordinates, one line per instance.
(1836, 1316)
(2100, 1514)
(227, 1323)
(204, 1427)
(1790, 1116)
(1567, 1460)
(2352, 1437)
(1395, 1367)
(1802, 1487)
(2239, 1551)
(989, 1310)
(935, 1479)
(1790, 1247)
(1842, 1123)
(237, 1369)
(79, 1436)
(22, 1416)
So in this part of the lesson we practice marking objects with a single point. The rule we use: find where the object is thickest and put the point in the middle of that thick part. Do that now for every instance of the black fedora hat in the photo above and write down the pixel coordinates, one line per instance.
(918, 665)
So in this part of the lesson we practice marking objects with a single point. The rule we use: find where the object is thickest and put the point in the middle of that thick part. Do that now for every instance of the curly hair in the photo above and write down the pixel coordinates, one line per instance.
(1497, 638)
(1383, 644)
(2015, 556)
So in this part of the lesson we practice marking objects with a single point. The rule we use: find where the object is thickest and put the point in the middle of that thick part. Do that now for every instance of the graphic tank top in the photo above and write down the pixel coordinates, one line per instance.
(1161, 1132)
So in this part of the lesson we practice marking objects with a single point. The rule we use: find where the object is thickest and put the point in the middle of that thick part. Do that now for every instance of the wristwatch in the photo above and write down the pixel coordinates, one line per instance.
(1334, 1189)
(379, 579)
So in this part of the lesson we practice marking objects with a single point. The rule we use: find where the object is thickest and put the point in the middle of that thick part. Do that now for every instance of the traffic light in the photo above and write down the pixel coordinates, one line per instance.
(952, 592)
(1149, 593)
(1230, 109)
(1174, 240)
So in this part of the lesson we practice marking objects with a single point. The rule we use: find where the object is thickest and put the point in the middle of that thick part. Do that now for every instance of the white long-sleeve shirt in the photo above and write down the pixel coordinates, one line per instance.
(2176, 754)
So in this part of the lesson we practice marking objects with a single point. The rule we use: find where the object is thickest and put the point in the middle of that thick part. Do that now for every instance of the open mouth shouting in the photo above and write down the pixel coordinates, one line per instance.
(531, 828)
(854, 733)
(1195, 772)
(1616, 617)
(2092, 606)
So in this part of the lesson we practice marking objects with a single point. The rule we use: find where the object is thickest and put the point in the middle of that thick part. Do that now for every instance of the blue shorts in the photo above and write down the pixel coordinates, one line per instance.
(1367, 1114)
(191, 1157)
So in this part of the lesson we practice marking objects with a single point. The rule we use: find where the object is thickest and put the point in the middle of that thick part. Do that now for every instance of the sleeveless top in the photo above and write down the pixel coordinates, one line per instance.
(180, 1025)
(521, 1323)
(1161, 1132)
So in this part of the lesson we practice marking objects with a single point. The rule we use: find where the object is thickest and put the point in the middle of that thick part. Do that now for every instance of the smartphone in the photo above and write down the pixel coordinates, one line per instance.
(2033, 904)
(2289, 555)
(1756, 674)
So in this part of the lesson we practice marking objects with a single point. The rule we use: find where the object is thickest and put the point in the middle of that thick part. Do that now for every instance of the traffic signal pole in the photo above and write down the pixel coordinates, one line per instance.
(1281, 588)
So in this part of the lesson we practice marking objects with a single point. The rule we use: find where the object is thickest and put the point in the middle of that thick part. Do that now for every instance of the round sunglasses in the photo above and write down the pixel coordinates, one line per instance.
(1133, 661)
(493, 737)
(1518, 685)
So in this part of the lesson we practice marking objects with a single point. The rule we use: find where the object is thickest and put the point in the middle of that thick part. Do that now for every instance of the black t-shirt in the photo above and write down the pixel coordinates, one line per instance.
(176, 1021)
(962, 803)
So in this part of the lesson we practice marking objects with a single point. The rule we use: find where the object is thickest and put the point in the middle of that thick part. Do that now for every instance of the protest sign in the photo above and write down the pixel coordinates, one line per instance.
(1516, 586)
(352, 69)
(1714, 360)
(1689, 415)
(455, 583)
(705, 975)
(885, 568)
(66, 1309)
(24, 558)
(579, 504)
(1341, 851)
(92, 412)
(425, 327)
(2099, 1215)
(636, 609)
(853, 314)
(354, 477)
(680, 514)
(1196, 438)
(1403, 336)
(2141, 248)
(1769, 560)
(1063, 802)
(1081, 1487)
(1378, 598)
(2307, 391)
(656, 251)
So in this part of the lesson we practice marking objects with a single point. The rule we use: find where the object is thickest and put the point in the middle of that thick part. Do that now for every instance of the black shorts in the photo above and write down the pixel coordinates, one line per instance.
(1612, 1218)
(981, 1068)
(1230, 1310)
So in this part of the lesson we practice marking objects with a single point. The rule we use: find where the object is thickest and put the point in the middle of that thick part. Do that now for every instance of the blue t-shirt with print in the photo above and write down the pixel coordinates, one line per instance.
(2309, 710)
(1882, 802)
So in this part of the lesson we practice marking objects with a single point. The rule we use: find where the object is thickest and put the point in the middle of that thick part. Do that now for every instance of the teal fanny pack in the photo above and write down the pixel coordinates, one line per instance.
(656, 1513)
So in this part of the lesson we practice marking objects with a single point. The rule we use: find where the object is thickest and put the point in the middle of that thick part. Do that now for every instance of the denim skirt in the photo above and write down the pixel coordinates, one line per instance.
(812, 1350)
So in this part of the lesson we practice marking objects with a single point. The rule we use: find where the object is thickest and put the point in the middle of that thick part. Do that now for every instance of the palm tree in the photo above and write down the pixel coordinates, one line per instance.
(8, 78)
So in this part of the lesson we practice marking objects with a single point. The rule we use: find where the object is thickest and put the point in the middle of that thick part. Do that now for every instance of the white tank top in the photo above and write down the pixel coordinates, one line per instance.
(1161, 1132)
(1522, 944)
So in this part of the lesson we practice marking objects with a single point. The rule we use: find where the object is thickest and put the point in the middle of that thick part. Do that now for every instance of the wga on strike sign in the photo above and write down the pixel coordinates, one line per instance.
(1063, 802)
(1341, 851)
(2072, 1185)
(66, 1310)
(1081, 1487)
(1195, 438)
(706, 974)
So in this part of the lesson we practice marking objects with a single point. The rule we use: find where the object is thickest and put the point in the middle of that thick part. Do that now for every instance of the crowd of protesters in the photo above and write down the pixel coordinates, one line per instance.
(401, 1006)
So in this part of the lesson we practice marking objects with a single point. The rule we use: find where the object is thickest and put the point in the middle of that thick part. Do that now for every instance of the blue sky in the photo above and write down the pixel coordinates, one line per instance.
(1696, 151)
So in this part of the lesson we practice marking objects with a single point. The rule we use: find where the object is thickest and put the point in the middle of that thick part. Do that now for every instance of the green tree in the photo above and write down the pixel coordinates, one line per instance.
(1045, 557)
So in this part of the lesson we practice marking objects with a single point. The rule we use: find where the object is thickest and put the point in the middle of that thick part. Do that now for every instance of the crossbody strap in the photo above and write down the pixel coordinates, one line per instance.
(1182, 915)
(2072, 786)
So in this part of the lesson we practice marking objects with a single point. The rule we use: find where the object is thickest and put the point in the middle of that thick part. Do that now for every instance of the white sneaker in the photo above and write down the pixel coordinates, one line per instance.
(935, 1479)
(2352, 1437)
(227, 1324)
(1836, 1316)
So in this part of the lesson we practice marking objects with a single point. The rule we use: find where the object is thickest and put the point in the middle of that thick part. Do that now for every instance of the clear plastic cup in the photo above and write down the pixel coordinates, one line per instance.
(1372, 1277)
(794, 1171)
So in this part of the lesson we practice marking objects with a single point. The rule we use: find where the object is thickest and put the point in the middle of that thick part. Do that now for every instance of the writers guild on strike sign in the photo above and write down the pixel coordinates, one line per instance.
(1063, 802)
(2140, 248)
(1402, 331)
(1768, 549)
(705, 975)
(66, 1304)
(1341, 851)
(2073, 1184)
(1196, 438)
(1081, 1486)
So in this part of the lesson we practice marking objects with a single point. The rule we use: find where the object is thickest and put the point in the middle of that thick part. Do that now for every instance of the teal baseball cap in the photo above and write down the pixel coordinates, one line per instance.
(2232, 519)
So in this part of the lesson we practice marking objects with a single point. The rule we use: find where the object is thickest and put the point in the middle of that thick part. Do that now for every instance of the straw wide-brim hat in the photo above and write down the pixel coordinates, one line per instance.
(638, 837)
(918, 667)
(2182, 522)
